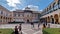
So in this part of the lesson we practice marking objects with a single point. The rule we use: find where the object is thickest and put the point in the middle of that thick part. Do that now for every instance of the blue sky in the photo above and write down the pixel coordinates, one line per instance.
(21, 4)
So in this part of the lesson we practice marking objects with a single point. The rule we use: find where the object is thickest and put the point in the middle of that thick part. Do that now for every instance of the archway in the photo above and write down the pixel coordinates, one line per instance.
(56, 18)
(52, 19)
(27, 20)
(48, 19)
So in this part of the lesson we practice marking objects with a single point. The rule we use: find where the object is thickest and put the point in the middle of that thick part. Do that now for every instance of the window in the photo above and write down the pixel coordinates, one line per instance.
(1, 17)
(0, 20)
(18, 14)
(28, 15)
(1, 12)
(45, 9)
(17, 19)
(59, 4)
(23, 15)
(53, 5)
(49, 7)
(14, 15)
(6, 14)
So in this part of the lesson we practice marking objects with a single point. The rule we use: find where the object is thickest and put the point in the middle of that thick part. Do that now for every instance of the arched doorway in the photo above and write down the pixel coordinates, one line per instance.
(52, 19)
(56, 18)
(27, 20)
(48, 19)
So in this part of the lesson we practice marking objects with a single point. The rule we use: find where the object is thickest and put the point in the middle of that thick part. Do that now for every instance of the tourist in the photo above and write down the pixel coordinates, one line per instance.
(20, 32)
(32, 24)
(52, 21)
(44, 26)
(39, 24)
(16, 30)
(19, 27)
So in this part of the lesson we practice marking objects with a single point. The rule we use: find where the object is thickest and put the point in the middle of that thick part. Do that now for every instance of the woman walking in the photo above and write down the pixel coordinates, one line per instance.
(20, 32)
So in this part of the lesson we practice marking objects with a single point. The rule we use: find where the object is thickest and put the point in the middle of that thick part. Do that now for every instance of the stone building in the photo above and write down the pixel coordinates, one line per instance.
(5, 15)
(25, 16)
(51, 14)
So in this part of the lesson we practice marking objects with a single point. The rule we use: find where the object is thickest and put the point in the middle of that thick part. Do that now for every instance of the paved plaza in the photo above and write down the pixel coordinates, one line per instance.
(26, 28)
(45, 13)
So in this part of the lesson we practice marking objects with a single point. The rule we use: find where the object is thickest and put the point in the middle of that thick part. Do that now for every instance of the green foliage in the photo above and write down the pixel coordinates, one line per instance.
(6, 31)
(51, 31)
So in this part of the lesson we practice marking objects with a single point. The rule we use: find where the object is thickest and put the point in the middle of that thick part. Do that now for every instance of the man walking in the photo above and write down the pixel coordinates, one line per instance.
(39, 24)
(32, 24)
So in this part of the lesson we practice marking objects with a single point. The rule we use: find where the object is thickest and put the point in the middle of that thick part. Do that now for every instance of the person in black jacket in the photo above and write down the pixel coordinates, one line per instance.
(19, 27)
(20, 31)
(52, 21)
(16, 30)
(32, 24)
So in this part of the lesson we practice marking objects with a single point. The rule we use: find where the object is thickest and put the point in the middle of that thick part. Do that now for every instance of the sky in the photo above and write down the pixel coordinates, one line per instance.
(21, 4)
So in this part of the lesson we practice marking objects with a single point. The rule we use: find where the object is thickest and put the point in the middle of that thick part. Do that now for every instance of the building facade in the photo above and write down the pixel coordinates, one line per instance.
(51, 14)
(25, 16)
(5, 15)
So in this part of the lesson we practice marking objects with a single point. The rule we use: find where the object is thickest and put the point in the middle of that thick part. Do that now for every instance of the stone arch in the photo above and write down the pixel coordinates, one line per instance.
(52, 19)
(48, 19)
(56, 18)
(27, 20)
(51, 16)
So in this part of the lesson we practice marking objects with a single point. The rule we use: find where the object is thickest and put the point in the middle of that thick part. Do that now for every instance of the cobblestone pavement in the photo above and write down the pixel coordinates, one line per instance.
(26, 28)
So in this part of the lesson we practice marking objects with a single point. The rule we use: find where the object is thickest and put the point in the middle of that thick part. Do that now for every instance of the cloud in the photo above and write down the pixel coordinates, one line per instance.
(13, 3)
(32, 7)
(23, 9)
(41, 10)
(13, 9)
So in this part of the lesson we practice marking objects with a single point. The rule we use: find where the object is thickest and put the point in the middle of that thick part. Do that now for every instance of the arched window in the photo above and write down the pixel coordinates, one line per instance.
(1, 12)
(59, 4)
(54, 6)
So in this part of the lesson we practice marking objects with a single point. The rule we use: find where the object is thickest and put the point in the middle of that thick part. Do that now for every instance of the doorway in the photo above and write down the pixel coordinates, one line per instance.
(56, 19)
(27, 20)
